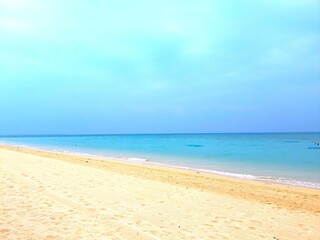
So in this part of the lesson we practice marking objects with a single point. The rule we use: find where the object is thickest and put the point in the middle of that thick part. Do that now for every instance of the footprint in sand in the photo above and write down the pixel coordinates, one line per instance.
(4, 230)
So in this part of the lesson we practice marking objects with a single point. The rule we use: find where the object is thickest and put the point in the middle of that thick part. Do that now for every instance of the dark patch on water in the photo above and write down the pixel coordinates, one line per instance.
(194, 145)
(313, 147)
(291, 141)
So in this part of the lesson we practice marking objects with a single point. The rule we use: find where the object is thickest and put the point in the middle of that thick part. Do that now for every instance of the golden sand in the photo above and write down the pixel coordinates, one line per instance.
(47, 195)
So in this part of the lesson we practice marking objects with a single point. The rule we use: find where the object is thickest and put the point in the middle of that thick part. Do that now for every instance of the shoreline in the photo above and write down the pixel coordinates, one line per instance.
(142, 161)
(255, 190)
(49, 195)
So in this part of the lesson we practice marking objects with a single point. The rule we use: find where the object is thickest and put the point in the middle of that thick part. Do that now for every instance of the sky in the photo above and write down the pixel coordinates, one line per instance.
(170, 66)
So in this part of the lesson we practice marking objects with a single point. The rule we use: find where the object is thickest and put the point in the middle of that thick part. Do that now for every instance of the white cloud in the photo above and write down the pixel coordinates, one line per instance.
(293, 51)
(17, 16)
(15, 3)
(15, 26)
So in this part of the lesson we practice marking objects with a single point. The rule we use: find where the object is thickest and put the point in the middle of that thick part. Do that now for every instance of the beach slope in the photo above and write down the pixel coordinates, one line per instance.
(47, 195)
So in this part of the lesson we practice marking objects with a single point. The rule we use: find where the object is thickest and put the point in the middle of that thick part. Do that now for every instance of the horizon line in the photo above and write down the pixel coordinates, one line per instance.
(105, 134)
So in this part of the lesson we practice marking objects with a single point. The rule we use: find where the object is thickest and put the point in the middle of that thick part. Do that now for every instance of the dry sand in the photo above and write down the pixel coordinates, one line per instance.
(46, 195)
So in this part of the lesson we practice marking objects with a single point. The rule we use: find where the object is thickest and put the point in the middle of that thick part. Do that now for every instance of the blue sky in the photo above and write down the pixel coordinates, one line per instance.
(159, 66)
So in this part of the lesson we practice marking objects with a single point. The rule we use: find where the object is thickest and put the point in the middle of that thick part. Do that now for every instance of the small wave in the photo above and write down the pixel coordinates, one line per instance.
(228, 174)
(291, 182)
(271, 179)
(266, 179)
(140, 160)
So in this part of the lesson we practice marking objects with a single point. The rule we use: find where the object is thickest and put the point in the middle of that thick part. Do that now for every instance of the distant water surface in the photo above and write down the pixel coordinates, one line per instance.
(289, 158)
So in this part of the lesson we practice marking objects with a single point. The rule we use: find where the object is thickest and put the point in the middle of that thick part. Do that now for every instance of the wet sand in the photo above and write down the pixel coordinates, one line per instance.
(47, 195)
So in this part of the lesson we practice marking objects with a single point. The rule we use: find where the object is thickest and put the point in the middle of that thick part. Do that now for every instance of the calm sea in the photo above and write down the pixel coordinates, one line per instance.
(289, 158)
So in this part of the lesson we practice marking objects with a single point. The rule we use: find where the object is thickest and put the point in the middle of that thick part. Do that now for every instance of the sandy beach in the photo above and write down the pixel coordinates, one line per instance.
(48, 195)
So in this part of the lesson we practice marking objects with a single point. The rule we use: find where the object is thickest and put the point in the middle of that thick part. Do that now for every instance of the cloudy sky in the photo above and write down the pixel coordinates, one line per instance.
(146, 66)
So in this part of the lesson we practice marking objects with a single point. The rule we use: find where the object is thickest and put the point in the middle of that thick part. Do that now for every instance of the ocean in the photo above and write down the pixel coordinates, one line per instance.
(287, 158)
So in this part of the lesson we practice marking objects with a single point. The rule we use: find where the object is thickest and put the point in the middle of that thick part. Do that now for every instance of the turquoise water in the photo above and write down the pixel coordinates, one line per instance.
(290, 158)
